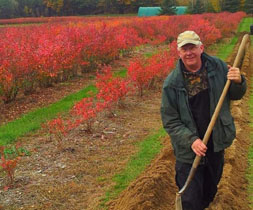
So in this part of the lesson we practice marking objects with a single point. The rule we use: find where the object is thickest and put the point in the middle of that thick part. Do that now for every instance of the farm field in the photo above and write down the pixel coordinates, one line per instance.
(87, 168)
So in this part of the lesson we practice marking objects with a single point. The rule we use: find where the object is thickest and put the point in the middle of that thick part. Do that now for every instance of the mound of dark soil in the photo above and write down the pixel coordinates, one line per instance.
(155, 189)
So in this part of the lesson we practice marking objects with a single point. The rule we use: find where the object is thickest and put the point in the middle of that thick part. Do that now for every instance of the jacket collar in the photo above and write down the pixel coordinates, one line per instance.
(177, 75)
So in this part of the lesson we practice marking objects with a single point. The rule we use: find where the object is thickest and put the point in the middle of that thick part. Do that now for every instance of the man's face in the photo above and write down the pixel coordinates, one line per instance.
(191, 56)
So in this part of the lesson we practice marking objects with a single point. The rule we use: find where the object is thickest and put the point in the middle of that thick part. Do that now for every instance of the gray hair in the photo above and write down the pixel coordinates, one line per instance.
(178, 48)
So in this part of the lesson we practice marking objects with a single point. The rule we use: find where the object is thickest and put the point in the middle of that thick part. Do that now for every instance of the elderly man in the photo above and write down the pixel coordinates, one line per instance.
(189, 97)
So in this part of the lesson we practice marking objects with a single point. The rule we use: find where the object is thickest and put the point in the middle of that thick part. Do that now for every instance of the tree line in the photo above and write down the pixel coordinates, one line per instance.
(38, 8)
(202, 6)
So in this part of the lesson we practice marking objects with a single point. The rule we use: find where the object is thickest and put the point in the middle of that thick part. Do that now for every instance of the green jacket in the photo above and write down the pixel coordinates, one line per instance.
(176, 115)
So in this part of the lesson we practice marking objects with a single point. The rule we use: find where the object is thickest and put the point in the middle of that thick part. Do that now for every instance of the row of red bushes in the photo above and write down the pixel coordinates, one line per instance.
(35, 20)
(143, 73)
(38, 56)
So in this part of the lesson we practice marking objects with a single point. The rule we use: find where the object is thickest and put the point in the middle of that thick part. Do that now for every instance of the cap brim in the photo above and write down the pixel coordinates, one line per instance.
(188, 42)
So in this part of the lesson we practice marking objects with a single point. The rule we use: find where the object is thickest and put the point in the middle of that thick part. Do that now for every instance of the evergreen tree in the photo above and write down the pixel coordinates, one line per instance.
(86, 7)
(231, 5)
(8, 8)
(197, 8)
(210, 8)
(168, 7)
(248, 6)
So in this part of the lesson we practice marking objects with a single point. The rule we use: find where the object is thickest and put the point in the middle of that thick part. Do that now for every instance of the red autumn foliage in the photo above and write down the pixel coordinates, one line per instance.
(111, 89)
(161, 64)
(138, 74)
(86, 111)
(144, 72)
(37, 56)
(57, 127)
(100, 43)
(226, 22)
(207, 32)
(9, 165)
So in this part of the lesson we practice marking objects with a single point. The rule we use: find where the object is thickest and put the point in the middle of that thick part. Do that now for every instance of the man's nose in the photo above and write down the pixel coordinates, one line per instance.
(188, 51)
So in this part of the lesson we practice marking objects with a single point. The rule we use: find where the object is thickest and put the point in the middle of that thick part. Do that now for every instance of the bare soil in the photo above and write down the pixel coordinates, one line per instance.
(78, 175)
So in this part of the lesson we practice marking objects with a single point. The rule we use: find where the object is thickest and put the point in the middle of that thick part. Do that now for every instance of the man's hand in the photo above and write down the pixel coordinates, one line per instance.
(199, 147)
(234, 74)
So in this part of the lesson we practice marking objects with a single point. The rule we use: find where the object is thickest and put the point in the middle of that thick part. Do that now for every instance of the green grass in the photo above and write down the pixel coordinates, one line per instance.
(149, 54)
(148, 149)
(250, 154)
(245, 24)
(121, 73)
(32, 120)
(224, 50)
(250, 161)
(19, 24)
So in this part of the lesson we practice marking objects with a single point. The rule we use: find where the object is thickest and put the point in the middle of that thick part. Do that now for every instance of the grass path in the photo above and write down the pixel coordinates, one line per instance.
(250, 154)
(245, 24)
(32, 121)
(148, 149)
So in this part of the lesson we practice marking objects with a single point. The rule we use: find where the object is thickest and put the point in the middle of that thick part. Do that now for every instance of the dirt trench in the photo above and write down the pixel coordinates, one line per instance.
(155, 188)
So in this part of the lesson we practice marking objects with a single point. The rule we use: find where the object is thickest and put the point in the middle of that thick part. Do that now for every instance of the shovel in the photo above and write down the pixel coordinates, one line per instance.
(239, 56)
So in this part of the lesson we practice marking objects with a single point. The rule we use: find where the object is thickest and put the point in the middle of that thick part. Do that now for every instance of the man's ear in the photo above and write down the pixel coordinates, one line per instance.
(202, 48)
(178, 52)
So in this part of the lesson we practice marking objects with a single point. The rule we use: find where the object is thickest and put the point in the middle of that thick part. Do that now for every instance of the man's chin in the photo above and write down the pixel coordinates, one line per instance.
(191, 64)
